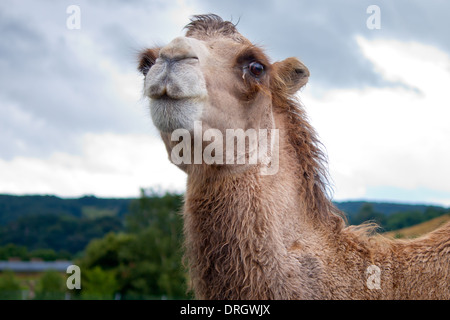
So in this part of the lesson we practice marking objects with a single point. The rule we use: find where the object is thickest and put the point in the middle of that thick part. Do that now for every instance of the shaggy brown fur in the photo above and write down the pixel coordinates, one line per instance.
(279, 236)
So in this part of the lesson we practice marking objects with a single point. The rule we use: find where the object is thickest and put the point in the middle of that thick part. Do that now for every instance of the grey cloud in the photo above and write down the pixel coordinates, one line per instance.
(49, 96)
(322, 33)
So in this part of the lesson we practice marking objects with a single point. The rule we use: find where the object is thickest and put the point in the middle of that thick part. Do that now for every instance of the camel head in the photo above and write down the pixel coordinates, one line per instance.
(214, 78)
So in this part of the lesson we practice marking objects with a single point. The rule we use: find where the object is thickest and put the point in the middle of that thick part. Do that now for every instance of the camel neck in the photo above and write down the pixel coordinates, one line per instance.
(238, 229)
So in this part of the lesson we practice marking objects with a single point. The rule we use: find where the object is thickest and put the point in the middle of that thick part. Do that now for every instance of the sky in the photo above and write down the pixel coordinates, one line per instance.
(74, 122)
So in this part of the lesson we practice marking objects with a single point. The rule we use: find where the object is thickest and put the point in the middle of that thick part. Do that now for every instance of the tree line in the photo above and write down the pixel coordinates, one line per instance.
(396, 220)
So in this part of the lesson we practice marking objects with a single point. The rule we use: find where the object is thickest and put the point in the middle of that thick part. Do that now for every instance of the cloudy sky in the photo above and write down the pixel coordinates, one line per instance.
(73, 120)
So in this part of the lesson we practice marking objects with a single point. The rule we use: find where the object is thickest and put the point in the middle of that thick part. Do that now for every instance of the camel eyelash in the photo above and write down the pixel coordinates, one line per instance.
(251, 54)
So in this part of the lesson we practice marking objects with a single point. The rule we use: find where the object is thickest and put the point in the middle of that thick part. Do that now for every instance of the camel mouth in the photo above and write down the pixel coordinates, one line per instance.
(165, 98)
(171, 98)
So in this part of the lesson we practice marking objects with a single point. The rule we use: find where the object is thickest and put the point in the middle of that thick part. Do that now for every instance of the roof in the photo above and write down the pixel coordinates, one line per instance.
(34, 266)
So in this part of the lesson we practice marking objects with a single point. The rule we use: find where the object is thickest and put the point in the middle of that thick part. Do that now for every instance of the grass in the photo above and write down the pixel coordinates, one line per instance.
(419, 229)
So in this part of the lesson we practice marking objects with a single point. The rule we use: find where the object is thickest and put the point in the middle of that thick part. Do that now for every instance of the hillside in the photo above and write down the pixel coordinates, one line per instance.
(14, 207)
(35, 223)
(419, 229)
(351, 208)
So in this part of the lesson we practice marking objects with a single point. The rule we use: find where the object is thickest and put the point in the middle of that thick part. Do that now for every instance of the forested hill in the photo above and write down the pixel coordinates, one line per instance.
(54, 226)
(352, 208)
(13, 207)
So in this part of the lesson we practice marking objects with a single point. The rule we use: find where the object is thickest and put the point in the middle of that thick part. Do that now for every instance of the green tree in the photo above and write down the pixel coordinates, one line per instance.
(44, 254)
(367, 214)
(404, 219)
(51, 286)
(105, 252)
(99, 283)
(9, 286)
(434, 212)
(147, 257)
(158, 226)
(13, 251)
(152, 209)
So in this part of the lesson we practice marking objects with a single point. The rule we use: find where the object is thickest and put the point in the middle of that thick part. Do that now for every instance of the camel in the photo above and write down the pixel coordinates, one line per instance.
(250, 235)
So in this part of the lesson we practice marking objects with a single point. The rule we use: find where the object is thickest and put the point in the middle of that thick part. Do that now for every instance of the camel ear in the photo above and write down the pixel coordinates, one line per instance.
(290, 75)
(147, 59)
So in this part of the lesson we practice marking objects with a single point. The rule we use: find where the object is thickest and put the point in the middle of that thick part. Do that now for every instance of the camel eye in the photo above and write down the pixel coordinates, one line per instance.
(256, 68)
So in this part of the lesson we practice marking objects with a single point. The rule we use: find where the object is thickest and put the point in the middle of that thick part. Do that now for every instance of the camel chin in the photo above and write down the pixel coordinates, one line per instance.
(170, 114)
